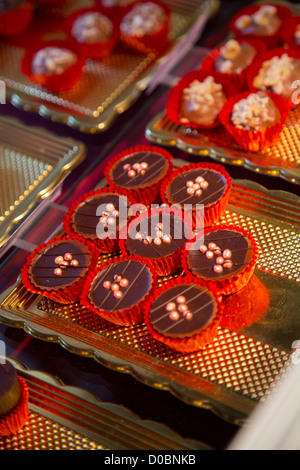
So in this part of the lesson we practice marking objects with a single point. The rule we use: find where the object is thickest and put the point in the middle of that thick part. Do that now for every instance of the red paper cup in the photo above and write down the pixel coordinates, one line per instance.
(192, 343)
(288, 33)
(15, 420)
(237, 281)
(268, 55)
(255, 141)
(284, 13)
(106, 245)
(55, 82)
(212, 212)
(174, 102)
(126, 317)
(149, 43)
(16, 21)
(97, 50)
(163, 265)
(148, 193)
(239, 80)
(68, 294)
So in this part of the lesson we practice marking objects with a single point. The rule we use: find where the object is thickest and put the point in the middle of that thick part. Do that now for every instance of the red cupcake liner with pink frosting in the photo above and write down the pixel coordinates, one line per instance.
(163, 265)
(106, 245)
(197, 341)
(16, 419)
(146, 195)
(237, 281)
(97, 50)
(130, 316)
(173, 105)
(275, 40)
(212, 212)
(13, 22)
(239, 80)
(67, 294)
(255, 141)
(154, 43)
(55, 82)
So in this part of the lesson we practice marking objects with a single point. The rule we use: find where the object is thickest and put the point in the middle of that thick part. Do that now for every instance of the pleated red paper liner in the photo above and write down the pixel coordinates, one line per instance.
(238, 280)
(250, 140)
(149, 192)
(268, 55)
(289, 31)
(67, 294)
(15, 420)
(154, 43)
(124, 317)
(162, 265)
(212, 212)
(174, 102)
(55, 82)
(13, 22)
(105, 245)
(276, 40)
(239, 80)
(200, 339)
(96, 50)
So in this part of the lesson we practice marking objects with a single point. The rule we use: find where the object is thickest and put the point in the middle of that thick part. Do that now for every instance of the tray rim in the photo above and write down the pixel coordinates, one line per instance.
(91, 401)
(127, 98)
(223, 409)
(217, 153)
(50, 183)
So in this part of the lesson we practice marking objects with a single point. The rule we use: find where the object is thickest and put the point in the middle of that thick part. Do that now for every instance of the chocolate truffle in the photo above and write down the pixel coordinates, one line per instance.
(118, 290)
(183, 311)
(202, 102)
(196, 186)
(278, 74)
(226, 257)
(10, 390)
(143, 19)
(139, 169)
(156, 236)
(234, 57)
(52, 61)
(264, 22)
(92, 27)
(100, 216)
(255, 112)
(59, 265)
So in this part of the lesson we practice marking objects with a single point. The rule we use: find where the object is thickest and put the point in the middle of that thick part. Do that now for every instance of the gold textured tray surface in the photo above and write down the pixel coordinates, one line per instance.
(238, 368)
(31, 166)
(108, 87)
(282, 159)
(69, 418)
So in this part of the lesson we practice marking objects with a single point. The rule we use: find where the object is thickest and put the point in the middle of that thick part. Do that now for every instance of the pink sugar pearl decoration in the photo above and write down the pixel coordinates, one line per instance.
(68, 257)
(118, 294)
(171, 306)
(74, 263)
(218, 268)
(106, 284)
(58, 272)
(59, 260)
(174, 316)
(124, 282)
(227, 254)
(181, 299)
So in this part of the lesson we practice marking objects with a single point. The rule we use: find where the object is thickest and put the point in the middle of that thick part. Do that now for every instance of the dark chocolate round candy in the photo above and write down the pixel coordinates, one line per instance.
(120, 286)
(200, 186)
(183, 311)
(10, 391)
(223, 254)
(100, 216)
(139, 169)
(59, 264)
(157, 235)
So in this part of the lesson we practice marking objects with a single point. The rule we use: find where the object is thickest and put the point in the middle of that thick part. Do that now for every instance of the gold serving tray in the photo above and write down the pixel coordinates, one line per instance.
(69, 418)
(108, 87)
(282, 159)
(33, 162)
(240, 366)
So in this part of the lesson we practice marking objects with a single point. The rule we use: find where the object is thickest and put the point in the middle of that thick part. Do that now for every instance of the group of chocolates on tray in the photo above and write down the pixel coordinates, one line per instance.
(248, 84)
(91, 33)
(140, 219)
